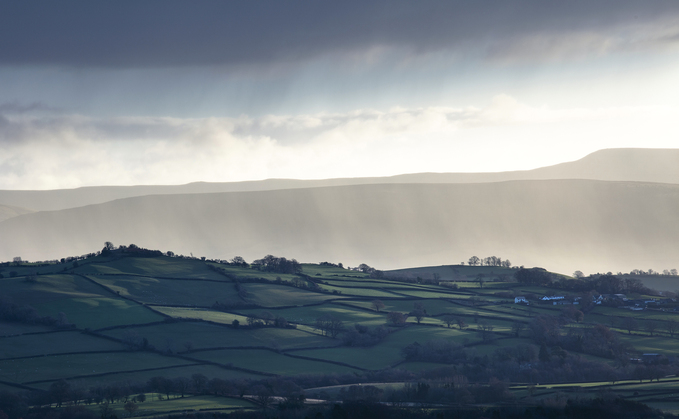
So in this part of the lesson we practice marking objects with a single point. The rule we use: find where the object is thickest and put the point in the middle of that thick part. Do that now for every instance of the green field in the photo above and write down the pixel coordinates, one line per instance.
(54, 343)
(181, 405)
(54, 367)
(154, 317)
(166, 292)
(268, 361)
(205, 335)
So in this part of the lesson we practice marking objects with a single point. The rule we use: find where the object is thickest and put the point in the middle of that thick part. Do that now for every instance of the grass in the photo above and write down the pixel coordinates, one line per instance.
(374, 358)
(170, 292)
(201, 313)
(451, 272)
(55, 367)
(9, 329)
(204, 335)
(308, 315)
(210, 371)
(97, 313)
(144, 279)
(651, 344)
(49, 288)
(271, 295)
(54, 343)
(177, 404)
(271, 362)
(152, 266)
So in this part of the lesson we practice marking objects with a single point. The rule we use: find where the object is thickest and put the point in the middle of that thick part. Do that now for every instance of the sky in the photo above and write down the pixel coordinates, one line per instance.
(172, 92)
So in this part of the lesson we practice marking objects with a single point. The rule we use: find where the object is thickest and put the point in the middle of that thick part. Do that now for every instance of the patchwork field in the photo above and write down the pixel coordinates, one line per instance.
(113, 320)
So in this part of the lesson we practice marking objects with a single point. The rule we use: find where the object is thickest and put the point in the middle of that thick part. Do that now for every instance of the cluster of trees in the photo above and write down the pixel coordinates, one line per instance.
(603, 284)
(329, 325)
(266, 319)
(598, 340)
(666, 272)
(270, 263)
(374, 273)
(489, 261)
(334, 265)
(131, 250)
(364, 336)
(12, 312)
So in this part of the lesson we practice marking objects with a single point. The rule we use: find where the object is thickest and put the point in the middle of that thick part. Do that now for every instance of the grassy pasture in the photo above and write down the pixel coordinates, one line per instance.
(55, 367)
(328, 271)
(271, 362)
(152, 266)
(372, 358)
(200, 313)
(393, 286)
(9, 329)
(451, 272)
(177, 404)
(54, 343)
(205, 335)
(426, 294)
(308, 315)
(142, 279)
(169, 291)
(96, 313)
(652, 344)
(84, 303)
(359, 292)
(210, 371)
(49, 288)
(272, 295)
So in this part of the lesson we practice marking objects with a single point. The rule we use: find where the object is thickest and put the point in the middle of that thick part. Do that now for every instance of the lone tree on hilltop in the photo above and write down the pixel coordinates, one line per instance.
(377, 305)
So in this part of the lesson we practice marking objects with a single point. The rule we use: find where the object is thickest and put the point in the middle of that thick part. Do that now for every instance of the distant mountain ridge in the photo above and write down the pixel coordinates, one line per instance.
(642, 165)
(561, 225)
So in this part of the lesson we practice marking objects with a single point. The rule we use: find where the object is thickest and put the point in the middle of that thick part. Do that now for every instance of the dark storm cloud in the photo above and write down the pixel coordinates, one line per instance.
(132, 34)
(19, 108)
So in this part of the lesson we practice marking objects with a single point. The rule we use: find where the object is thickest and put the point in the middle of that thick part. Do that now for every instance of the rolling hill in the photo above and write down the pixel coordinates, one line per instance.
(642, 165)
(188, 334)
(561, 225)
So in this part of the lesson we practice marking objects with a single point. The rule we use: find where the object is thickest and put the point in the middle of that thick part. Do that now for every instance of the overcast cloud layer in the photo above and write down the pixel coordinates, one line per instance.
(148, 92)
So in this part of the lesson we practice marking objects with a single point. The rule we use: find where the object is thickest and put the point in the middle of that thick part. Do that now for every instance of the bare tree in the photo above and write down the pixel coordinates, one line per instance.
(671, 326)
(419, 314)
(517, 327)
(629, 324)
(329, 326)
(651, 326)
(377, 305)
(449, 320)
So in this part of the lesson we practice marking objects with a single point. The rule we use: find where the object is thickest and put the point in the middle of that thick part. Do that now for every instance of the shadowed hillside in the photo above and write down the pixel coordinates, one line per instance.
(561, 225)
(643, 165)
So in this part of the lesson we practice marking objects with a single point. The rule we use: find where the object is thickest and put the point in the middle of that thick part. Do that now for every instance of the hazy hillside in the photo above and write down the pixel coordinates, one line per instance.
(644, 165)
(561, 225)
(8, 211)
